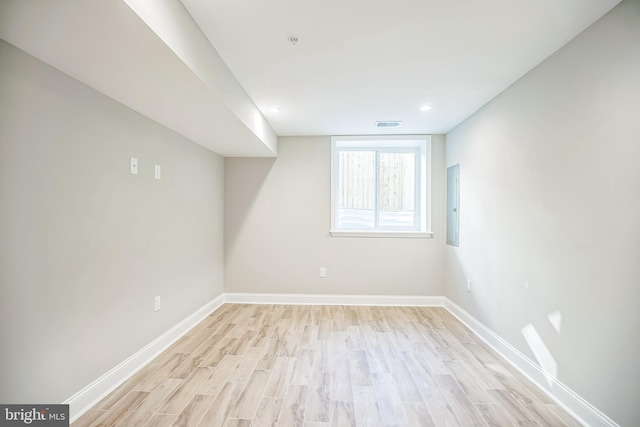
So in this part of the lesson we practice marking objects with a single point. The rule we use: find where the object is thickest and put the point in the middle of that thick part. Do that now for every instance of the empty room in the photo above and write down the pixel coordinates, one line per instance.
(252, 213)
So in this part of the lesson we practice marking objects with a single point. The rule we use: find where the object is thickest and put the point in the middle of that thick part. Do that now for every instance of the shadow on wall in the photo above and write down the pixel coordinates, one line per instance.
(252, 173)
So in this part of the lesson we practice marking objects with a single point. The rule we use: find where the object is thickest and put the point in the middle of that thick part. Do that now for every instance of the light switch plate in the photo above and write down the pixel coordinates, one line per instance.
(134, 166)
(158, 172)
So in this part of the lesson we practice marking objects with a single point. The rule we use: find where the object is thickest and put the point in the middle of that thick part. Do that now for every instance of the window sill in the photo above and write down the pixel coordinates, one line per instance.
(397, 234)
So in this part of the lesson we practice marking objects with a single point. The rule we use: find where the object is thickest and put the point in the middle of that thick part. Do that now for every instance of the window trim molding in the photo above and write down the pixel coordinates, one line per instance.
(425, 182)
(382, 233)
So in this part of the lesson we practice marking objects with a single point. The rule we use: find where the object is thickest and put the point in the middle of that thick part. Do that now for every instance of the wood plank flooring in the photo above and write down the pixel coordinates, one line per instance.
(287, 365)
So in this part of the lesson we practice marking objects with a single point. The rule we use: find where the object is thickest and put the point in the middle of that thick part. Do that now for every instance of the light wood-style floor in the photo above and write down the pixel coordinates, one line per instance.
(284, 365)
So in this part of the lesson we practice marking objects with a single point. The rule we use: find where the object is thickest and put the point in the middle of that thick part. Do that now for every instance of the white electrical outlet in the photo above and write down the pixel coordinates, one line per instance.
(157, 302)
(158, 172)
(323, 272)
(133, 162)
(468, 285)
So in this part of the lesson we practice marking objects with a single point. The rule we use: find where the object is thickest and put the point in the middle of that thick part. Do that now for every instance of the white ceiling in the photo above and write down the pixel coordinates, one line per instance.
(359, 61)
(356, 61)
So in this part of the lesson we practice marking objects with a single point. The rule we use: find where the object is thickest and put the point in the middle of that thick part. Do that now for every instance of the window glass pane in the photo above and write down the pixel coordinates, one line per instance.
(396, 199)
(356, 189)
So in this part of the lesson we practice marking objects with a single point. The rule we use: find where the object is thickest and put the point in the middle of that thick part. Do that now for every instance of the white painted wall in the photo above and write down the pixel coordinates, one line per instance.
(172, 23)
(550, 175)
(277, 221)
(108, 47)
(84, 245)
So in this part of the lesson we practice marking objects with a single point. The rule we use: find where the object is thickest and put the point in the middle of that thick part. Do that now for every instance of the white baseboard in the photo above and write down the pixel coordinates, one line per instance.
(326, 299)
(86, 398)
(563, 395)
(582, 410)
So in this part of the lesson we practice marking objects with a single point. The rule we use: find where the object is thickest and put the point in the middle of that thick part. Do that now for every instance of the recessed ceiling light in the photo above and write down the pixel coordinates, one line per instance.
(425, 108)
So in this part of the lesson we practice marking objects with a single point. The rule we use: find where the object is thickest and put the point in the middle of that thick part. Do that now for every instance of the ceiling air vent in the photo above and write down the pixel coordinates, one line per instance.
(388, 124)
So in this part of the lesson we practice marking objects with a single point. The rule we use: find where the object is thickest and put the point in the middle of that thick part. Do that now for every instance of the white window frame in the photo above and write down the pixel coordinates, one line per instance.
(381, 143)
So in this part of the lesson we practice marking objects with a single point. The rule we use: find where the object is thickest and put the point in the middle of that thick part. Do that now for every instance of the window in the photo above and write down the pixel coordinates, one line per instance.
(379, 186)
